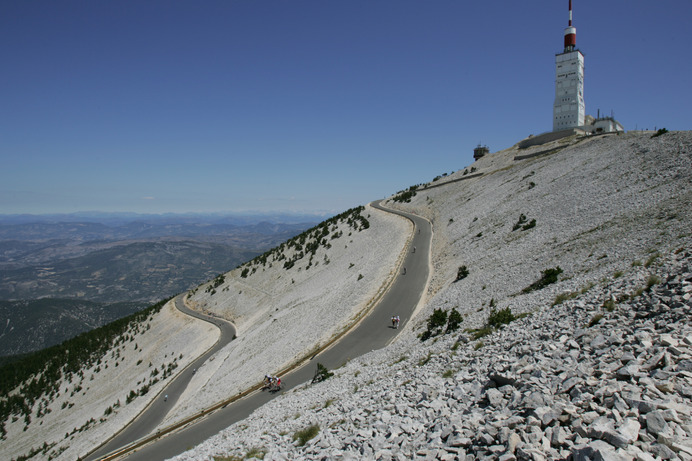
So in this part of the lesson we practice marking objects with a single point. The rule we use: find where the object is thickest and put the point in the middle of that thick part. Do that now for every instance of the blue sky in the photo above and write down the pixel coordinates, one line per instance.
(181, 106)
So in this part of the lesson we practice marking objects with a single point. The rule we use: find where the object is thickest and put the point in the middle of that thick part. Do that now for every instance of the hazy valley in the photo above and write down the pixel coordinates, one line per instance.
(59, 278)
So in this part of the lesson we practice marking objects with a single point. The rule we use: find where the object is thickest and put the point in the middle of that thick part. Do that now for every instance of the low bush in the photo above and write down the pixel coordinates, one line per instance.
(652, 280)
(437, 321)
(462, 273)
(306, 434)
(321, 374)
(501, 317)
(595, 319)
(406, 196)
(659, 132)
(562, 297)
(548, 276)
(453, 320)
(523, 224)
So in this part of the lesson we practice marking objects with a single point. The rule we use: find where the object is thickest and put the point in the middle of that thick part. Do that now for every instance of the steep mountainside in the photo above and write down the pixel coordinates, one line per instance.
(329, 275)
(594, 362)
(51, 321)
(597, 366)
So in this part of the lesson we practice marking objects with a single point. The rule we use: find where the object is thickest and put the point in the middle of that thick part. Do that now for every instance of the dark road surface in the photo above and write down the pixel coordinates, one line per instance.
(157, 410)
(373, 332)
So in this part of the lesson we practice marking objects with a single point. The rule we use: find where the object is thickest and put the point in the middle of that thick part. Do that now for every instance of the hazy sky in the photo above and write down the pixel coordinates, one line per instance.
(176, 106)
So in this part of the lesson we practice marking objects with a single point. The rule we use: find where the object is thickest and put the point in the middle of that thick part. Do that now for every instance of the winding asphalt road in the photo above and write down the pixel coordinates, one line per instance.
(373, 332)
(152, 416)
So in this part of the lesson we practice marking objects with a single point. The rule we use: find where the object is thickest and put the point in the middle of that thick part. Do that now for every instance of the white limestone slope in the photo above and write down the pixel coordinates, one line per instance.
(603, 206)
(75, 420)
(282, 314)
(600, 205)
(609, 211)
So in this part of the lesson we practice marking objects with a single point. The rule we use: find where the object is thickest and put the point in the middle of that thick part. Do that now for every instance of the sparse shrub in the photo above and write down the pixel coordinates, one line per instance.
(501, 317)
(637, 292)
(659, 132)
(585, 289)
(406, 196)
(520, 222)
(448, 374)
(425, 359)
(548, 276)
(523, 224)
(436, 322)
(462, 273)
(651, 259)
(306, 434)
(652, 280)
(131, 396)
(479, 333)
(562, 297)
(595, 319)
(454, 320)
(218, 280)
(227, 458)
(321, 374)
(530, 225)
(256, 452)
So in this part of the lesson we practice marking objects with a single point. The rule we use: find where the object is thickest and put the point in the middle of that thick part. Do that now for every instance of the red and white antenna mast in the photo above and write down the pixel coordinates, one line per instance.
(570, 32)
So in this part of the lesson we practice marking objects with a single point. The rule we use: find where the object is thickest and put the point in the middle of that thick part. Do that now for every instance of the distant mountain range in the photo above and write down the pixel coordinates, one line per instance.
(67, 261)
(120, 218)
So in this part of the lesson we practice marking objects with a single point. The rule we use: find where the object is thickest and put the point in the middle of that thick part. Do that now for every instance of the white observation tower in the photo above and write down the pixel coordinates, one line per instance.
(568, 108)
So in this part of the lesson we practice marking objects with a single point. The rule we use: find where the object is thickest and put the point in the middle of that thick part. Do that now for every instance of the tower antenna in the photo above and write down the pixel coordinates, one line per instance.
(570, 33)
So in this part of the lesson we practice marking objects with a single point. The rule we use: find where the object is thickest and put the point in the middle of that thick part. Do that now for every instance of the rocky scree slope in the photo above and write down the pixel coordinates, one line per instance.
(558, 384)
(598, 367)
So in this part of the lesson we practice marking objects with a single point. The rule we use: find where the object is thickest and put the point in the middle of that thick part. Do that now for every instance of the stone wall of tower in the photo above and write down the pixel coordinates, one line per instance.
(568, 108)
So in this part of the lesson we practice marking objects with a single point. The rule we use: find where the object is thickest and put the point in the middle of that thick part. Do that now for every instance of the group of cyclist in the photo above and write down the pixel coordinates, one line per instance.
(272, 383)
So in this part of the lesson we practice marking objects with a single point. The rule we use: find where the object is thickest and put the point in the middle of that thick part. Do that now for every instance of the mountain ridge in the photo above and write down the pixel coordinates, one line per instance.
(609, 211)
